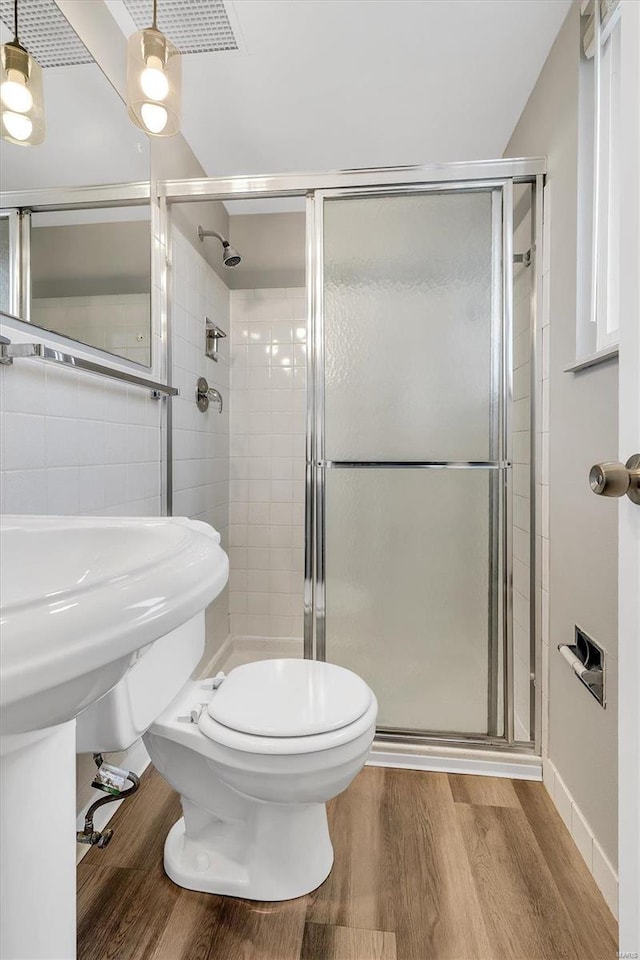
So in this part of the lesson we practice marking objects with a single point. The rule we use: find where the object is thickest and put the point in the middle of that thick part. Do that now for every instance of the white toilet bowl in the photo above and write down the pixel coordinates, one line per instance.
(269, 747)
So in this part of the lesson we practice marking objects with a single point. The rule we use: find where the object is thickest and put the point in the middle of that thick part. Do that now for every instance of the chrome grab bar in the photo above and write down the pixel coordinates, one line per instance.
(414, 464)
(16, 351)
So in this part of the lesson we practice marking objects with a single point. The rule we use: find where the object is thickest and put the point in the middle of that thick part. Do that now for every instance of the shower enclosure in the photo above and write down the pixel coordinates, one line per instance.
(421, 439)
(420, 520)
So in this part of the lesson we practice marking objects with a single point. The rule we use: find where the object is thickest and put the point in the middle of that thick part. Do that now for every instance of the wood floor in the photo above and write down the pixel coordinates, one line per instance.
(428, 866)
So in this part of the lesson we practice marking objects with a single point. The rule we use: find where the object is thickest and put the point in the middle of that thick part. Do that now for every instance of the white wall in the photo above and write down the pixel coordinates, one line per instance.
(266, 536)
(75, 256)
(579, 558)
(200, 440)
(273, 248)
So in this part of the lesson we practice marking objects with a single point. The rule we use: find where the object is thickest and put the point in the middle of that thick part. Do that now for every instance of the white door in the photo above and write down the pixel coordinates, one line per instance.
(629, 513)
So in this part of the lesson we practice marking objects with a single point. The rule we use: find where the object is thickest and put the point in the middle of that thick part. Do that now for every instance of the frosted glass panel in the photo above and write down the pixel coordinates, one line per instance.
(407, 310)
(407, 591)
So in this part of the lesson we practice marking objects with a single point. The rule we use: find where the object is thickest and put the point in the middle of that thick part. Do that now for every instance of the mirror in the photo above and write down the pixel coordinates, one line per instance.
(90, 269)
(91, 278)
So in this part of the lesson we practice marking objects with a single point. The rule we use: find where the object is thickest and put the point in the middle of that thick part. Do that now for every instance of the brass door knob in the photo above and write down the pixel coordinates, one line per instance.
(614, 479)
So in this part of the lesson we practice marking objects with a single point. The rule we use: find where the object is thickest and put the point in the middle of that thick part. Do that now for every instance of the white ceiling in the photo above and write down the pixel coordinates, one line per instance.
(335, 84)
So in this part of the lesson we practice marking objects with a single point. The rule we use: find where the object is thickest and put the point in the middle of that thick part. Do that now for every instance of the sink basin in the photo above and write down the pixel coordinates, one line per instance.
(82, 600)
(78, 598)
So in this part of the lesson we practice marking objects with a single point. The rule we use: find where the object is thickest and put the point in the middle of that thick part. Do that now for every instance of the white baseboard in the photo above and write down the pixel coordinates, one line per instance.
(137, 760)
(592, 853)
(486, 763)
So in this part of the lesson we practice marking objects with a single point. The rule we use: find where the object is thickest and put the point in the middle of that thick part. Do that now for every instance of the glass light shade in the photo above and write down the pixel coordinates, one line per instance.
(19, 125)
(154, 83)
(154, 117)
(154, 80)
(15, 93)
(21, 97)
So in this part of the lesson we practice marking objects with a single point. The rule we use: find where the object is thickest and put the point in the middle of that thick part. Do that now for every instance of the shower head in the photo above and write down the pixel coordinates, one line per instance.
(230, 257)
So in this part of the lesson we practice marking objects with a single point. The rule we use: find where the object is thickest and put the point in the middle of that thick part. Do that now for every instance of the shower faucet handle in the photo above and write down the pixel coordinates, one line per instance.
(205, 394)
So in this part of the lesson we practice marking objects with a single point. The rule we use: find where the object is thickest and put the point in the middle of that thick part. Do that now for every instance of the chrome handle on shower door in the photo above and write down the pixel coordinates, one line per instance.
(613, 479)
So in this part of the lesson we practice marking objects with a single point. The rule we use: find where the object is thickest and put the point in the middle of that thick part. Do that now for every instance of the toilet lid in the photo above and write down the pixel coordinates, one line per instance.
(289, 698)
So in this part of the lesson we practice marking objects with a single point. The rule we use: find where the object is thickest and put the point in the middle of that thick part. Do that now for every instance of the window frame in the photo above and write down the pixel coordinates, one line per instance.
(599, 184)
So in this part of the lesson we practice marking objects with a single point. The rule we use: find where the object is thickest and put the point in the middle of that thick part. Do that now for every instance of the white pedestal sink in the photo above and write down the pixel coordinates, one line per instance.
(79, 598)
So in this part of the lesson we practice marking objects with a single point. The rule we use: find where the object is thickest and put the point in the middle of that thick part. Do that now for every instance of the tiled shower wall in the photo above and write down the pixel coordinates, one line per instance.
(266, 533)
(200, 440)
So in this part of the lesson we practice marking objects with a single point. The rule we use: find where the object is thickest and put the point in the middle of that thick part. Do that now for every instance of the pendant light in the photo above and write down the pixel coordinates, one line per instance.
(21, 96)
(154, 80)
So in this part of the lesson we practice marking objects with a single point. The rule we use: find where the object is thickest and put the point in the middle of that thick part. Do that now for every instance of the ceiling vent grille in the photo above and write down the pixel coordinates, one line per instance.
(194, 26)
(46, 34)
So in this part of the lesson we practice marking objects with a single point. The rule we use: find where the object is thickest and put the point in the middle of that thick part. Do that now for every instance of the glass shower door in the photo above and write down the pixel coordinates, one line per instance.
(410, 464)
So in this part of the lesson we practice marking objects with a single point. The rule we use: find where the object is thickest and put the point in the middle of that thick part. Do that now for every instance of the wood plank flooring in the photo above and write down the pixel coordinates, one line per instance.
(428, 866)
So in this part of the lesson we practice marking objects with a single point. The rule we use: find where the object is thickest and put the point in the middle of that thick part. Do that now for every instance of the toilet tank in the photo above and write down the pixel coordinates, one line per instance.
(156, 675)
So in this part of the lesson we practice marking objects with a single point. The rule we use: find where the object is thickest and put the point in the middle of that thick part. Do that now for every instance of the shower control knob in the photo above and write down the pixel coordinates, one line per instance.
(613, 479)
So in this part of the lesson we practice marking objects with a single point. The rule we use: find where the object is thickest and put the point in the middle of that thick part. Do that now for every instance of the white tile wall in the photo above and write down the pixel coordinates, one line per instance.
(200, 440)
(73, 443)
(119, 323)
(266, 533)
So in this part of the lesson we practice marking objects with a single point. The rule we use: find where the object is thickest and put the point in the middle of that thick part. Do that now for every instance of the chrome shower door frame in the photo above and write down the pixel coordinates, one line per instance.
(500, 560)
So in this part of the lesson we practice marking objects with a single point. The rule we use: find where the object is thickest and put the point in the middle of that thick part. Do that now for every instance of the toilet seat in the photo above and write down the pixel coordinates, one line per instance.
(235, 740)
(286, 698)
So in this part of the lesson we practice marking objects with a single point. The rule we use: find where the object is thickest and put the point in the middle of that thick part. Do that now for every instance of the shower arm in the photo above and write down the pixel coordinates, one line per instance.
(212, 233)
(230, 257)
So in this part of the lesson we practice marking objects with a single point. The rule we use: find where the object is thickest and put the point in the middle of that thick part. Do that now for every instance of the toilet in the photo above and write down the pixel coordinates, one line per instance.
(254, 755)
(273, 743)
